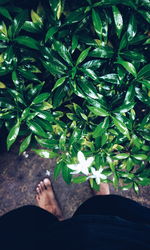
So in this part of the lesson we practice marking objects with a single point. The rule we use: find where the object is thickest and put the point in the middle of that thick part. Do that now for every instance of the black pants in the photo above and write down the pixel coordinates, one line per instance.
(20, 228)
(33, 218)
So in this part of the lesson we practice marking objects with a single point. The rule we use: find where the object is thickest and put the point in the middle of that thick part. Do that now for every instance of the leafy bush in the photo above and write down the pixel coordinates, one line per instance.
(76, 77)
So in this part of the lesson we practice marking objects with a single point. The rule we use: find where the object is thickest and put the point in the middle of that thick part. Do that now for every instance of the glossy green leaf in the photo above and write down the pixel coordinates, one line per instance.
(98, 111)
(63, 51)
(79, 179)
(58, 169)
(121, 156)
(82, 56)
(13, 134)
(36, 129)
(28, 42)
(50, 33)
(66, 174)
(4, 12)
(101, 128)
(36, 18)
(31, 27)
(118, 20)
(41, 98)
(18, 22)
(24, 145)
(121, 127)
(113, 78)
(45, 153)
(132, 27)
(144, 72)
(59, 82)
(97, 23)
(15, 78)
(102, 52)
(124, 108)
(139, 157)
(128, 66)
(56, 6)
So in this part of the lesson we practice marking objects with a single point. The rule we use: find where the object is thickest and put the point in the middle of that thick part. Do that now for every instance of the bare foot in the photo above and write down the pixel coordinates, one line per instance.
(104, 189)
(46, 198)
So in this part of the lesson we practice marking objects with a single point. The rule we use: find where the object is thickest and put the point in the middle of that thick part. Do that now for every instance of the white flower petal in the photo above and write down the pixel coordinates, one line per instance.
(73, 166)
(89, 161)
(85, 170)
(75, 172)
(102, 176)
(93, 170)
(81, 157)
(98, 180)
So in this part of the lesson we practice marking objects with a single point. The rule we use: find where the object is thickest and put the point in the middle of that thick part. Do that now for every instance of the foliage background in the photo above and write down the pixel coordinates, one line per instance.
(76, 76)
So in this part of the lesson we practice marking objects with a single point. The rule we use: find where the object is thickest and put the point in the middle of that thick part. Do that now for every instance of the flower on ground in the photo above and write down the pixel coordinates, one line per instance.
(83, 164)
(97, 175)
(48, 173)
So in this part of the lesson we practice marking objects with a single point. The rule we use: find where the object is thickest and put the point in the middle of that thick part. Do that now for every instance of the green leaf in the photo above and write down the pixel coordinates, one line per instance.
(28, 74)
(59, 82)
(41, 98)
(31, 27)
(82, 56)
(135, 187)
(36, 18)
(128, 66)
(2, 85)
(101, 128)
(124, 108)
(118, 20)
(121, 156)
(15, 78)
(24, 145)
(47, 143)
(132, 27)
(50, 33)
(79, 179)
(102, 52)
(97, 23)
(66, 174)
(139, 157)
(18, 22)
(63, 52)
(113, 78)
(75, 16)
(12, 136)
(45, 153)
(129, 94)
(144, 72)
(146, 83)
(36, 129)
(121, 127)
(58, 169)
(28, 42)
(57, 8)
(4, 12)
(98, 111)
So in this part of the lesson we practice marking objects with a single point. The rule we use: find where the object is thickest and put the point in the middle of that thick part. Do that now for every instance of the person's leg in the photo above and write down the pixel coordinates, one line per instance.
(22, 227)
(115, 205)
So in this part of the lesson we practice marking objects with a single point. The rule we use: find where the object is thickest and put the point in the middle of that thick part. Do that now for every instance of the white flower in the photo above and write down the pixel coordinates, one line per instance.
(48, 173)
(82, 166)
(97, 175)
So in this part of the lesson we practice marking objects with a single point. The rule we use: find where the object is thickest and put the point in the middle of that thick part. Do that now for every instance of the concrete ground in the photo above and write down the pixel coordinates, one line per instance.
(19, 176)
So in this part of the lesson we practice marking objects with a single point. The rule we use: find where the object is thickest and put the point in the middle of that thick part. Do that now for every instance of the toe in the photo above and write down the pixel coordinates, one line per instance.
(47, 183)
(38, 190)
(42, 185)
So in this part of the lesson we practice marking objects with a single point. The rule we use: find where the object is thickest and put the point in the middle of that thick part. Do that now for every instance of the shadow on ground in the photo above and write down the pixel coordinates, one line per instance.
(19, 176)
